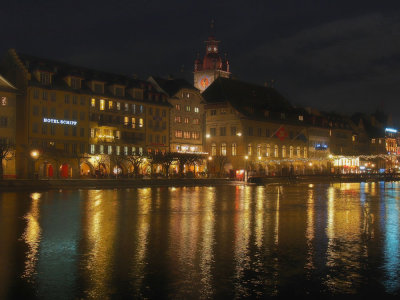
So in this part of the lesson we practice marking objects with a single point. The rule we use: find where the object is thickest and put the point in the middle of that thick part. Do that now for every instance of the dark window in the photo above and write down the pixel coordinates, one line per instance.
(213, 131)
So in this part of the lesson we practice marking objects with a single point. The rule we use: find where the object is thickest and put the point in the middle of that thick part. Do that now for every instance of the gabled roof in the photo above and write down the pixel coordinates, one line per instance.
(171, 86)
(246, 96)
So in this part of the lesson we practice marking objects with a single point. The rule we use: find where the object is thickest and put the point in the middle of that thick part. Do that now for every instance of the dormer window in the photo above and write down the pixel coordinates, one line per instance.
(98, 88)
(119, 91)
(75, 83)
(301, 118)
(45, 78)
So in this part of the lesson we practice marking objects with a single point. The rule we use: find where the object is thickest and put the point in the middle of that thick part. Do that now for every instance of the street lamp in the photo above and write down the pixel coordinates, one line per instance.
(34, 155)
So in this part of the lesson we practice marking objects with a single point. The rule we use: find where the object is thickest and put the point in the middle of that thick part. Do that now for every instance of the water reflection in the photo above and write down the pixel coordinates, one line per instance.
(201, 242)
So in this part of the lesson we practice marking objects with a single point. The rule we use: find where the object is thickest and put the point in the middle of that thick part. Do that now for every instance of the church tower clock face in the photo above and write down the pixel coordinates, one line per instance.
(204, 82)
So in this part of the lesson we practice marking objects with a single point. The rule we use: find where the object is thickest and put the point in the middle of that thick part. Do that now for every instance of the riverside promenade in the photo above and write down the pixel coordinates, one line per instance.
(44, 184)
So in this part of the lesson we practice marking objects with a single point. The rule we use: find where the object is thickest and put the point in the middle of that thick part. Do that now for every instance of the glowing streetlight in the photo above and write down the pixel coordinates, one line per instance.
(246, 157)
(310, 164)
(34, 154)
(259, 158)
(207, 135)
(239, 134)
(210, 158)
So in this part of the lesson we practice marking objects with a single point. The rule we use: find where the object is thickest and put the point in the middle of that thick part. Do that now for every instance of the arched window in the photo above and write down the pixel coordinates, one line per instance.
(291, 151)
(283, 151)
(276, 153)
(258, 150)
(249, 149)
(223, 149)
(213, 149)
(233, 149)
(298, 152)
(268, 153)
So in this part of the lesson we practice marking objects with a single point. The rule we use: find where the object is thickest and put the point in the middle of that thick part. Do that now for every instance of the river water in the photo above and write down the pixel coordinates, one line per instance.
(201, 242)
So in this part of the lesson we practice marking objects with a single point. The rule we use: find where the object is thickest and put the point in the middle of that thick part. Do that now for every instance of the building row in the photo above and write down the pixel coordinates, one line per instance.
(70, 121)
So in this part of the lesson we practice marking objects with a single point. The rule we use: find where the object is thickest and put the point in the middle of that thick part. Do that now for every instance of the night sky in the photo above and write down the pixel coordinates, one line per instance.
(341, 56)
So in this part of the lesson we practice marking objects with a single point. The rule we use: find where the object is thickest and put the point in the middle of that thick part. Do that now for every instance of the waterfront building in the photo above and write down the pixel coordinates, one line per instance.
(186, 116)
(8, 107)
(253, 128)
(212, 66)
(75, 121)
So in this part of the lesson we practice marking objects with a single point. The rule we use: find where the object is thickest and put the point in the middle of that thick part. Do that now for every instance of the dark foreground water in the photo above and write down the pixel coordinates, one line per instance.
(201, 242)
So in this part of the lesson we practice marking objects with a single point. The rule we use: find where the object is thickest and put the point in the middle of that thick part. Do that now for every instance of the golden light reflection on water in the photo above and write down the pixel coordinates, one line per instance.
(101, 220)
(246, 240)
(31, 236)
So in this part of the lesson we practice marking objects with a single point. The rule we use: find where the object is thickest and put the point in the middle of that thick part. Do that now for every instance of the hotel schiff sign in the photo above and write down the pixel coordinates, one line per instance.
(62, 122)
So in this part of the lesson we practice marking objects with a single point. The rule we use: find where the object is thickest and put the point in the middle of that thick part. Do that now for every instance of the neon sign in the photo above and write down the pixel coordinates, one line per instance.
(62, 122)
(391, 130)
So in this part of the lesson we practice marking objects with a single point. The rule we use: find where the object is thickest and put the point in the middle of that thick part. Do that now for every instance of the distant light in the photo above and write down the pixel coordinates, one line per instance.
(362, 168)
(34, 153)
(246, 157)
(259, 158)
(207, 135)
(391, 130)
(239, 134)
(210, 158)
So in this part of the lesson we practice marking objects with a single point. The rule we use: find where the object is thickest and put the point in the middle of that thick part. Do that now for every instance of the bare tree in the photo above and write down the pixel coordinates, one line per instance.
(6, 153)
(166, 160)
(136, 160)
(220, 161)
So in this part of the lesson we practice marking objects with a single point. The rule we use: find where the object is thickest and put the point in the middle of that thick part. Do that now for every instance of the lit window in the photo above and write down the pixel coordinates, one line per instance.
(301, 118)
(133, 122)
(177, 106)
(258, 150)
(101, 149)
(187, 108)
(249, 149)
(298, 152)
(118, 105)
(117, 150)
(213, 149)
(196, 109)
(233, 149)
(223, 149)
(118, 134)
(102, 104)
(93, 102)
(126, 106)
(126, 121)
(268, 153)
(177, 119)
(283, 151)
(3, 101)
(276, 153)
(109, 149)
(110, 104)
(140, 122)
(186, 120)
(92, 149)
(178, 133)
(291, 151)
(305, 152)
(373, 141)
(92, 132)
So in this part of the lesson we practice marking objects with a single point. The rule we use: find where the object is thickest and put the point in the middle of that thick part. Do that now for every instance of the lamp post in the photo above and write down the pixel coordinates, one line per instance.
(209, 165)
(34, 155)
(245, 168)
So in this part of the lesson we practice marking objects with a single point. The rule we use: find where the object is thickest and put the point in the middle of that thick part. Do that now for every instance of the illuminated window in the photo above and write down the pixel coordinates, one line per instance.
(249, 149)
(186, 134)
(93, 102)
(276, 153)
(283, 151)
(291, 151)
(101, 149)
(109, 151)
(92, 132)
(301, 118)
(195, 135)
(126, 105)
(258, 150)
(298, 152)
(187, 108)
(133, 150)
(305, 152)
(117, 150)
(102, 104)
(177, 106)
(178, 119)
(118, 105)
(140, 150)
(178, 133)
(233, 149)
(133, 122)
(125, 150)
(140, 122)
(213, 149)
(126, 121)
(268, 153)
(118, 134)
(223, 149)
(196, 109)
(186, 120)
(110, 104)
(92, 149)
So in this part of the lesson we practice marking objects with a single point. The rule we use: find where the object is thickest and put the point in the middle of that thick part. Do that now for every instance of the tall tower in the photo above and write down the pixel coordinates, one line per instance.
(212, 66)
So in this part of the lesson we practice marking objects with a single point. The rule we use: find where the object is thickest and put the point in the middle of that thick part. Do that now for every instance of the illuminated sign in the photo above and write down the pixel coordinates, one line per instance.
(62, 122)
(321, 147)
(391, 130)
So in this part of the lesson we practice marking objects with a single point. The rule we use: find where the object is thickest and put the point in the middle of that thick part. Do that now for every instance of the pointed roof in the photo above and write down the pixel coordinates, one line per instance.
(243, 95)
(171, 86)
